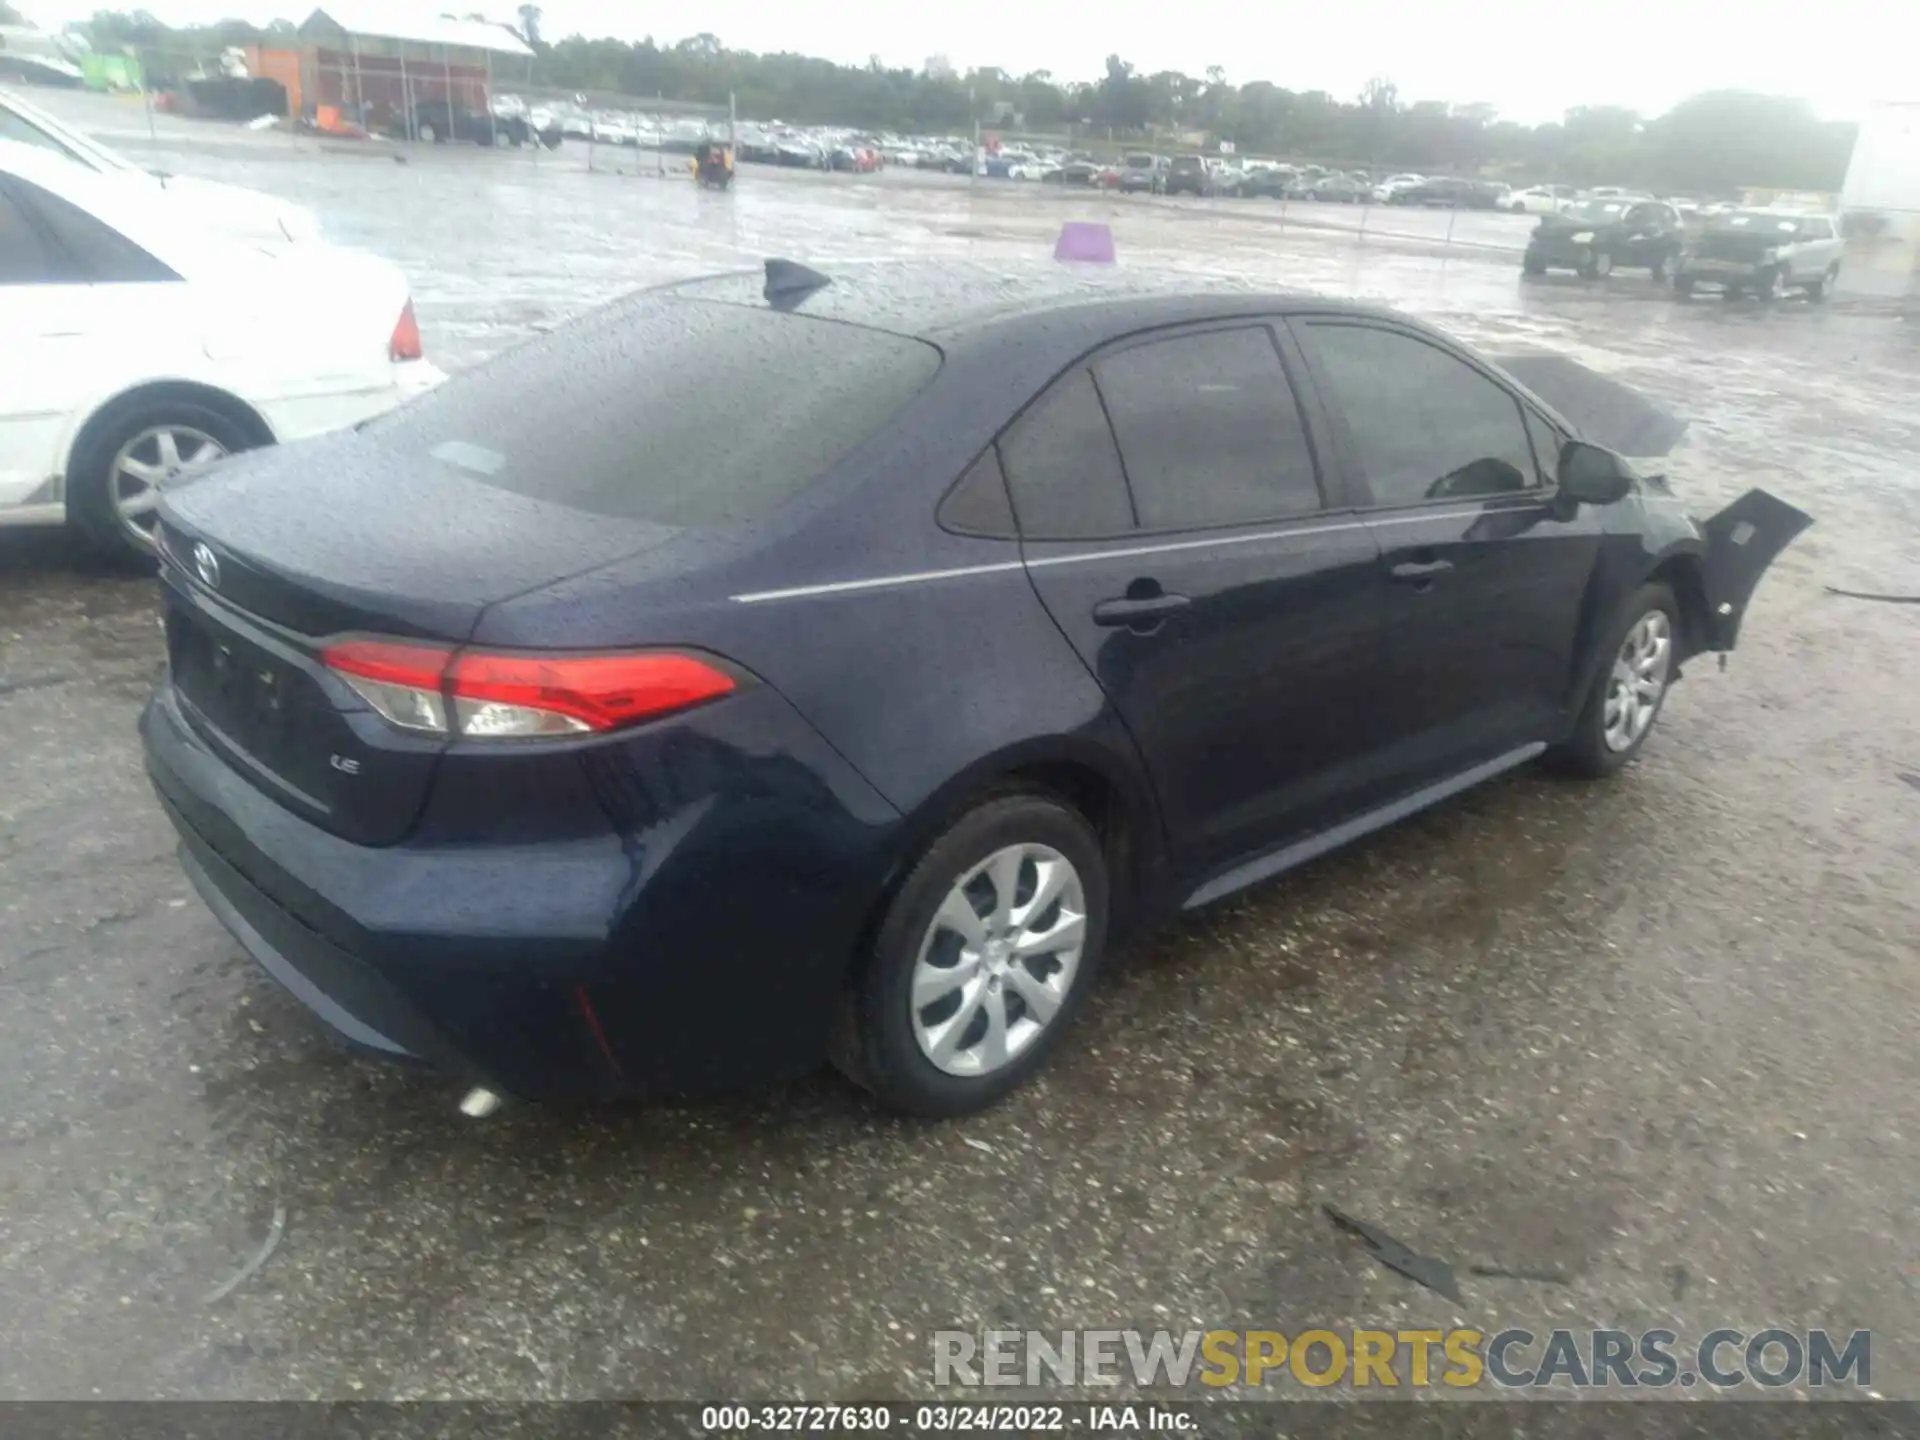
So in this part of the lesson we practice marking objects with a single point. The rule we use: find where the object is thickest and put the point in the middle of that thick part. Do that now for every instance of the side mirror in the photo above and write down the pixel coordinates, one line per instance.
(1591, 475)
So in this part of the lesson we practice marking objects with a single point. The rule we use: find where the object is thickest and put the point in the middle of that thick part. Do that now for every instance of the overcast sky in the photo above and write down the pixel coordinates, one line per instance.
(1531, 61)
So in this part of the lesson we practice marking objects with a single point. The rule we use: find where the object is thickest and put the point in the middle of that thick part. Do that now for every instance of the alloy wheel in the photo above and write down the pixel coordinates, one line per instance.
(1638, 681)
(150, 459)
(998, 960)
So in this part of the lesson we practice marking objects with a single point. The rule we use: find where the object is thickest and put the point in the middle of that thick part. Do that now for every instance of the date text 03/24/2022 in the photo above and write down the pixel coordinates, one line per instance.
(946, 1417)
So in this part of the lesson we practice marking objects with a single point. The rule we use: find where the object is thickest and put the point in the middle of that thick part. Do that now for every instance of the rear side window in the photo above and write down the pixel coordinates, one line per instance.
(978, 504)
(96, 254)
(25, 258)
(1209, 431)
(1063, 468)
(1424, 424)
(666, 410)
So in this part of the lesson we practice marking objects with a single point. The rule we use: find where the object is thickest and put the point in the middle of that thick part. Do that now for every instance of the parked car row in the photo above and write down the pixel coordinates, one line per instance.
(1765, 252)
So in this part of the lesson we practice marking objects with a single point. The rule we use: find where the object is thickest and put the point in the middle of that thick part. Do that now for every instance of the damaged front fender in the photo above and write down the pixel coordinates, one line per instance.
(1741, 542)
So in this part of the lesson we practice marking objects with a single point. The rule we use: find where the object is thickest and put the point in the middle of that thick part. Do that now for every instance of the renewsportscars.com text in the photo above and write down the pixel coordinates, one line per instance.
(1459, 1359)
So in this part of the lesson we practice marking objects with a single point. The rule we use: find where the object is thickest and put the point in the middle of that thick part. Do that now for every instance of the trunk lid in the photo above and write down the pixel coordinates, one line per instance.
(276, 552)
(344, 533)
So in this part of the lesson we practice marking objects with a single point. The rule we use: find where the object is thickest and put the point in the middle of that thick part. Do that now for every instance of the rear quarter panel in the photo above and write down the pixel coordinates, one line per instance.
(922, 656)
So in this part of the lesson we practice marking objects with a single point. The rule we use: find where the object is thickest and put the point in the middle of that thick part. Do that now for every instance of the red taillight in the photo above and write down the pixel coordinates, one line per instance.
(520, 696)
(420, 667)
(406, 343)
(596, 692)
(402, 682)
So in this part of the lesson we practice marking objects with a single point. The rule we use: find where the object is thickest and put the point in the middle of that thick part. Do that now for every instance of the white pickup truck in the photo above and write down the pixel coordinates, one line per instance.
(1767, 252)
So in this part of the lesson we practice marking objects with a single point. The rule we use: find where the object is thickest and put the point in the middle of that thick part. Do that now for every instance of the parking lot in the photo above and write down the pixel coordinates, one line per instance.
(1648, 1043)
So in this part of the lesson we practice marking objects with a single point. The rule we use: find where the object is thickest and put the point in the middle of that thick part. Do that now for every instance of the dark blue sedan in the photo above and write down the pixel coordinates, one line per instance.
(784, 665)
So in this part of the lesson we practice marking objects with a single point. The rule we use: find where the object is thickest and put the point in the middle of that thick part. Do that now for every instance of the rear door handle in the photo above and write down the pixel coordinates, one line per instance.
(1414, 572)
(1149, 610)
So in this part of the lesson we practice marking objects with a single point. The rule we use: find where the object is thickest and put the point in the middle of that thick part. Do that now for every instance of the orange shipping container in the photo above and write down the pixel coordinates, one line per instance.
(280, 65)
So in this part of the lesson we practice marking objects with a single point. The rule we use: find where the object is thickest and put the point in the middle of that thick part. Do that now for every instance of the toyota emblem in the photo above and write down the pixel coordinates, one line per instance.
(206, 565)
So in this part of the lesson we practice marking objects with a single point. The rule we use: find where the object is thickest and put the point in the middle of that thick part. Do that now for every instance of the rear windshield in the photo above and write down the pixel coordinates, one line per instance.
(1760, 222)
(1597, 210)
(668, 410)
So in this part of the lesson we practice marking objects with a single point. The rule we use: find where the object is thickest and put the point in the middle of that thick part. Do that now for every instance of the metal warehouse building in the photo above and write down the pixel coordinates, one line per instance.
(381, 66)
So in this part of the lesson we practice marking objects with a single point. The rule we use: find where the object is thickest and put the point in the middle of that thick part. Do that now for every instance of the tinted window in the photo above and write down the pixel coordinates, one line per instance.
(1209, 431)
(1424, 425)
(978, 504)
(1063, 468)
(95, 253)
(24, 256)
(666, 410)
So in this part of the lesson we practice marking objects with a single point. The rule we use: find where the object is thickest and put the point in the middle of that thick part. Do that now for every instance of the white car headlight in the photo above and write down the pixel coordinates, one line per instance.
(1583, 237)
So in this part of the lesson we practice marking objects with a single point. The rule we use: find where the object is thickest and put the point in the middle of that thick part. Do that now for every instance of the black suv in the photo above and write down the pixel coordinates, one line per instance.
(1448, 193)
(1189, 175)
(1593, 236)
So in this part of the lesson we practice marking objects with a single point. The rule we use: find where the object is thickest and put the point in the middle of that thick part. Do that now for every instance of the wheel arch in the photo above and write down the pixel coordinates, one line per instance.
(1678, 567)
(194, 391)
(1108, 792)
(1680, 571)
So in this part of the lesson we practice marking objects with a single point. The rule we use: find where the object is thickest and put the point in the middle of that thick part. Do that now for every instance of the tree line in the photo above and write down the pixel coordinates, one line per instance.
(1712, 143)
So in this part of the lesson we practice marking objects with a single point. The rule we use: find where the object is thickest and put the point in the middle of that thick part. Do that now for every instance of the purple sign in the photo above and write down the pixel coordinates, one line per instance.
(1084, 240)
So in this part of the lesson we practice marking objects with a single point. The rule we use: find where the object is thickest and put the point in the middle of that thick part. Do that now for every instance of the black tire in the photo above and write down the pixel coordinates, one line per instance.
(1683, 287)
(90, 499)
(1586, 753)
(1821, 288)
(876, 1047)
(1531, 266)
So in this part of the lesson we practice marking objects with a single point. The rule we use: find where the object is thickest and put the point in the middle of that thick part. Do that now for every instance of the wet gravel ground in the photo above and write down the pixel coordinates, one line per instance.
(1653, 1037)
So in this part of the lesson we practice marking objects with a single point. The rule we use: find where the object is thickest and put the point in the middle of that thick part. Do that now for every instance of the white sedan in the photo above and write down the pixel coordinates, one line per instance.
(141, 345)
(1540, 199)
(222, 207)
(1383, 192)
